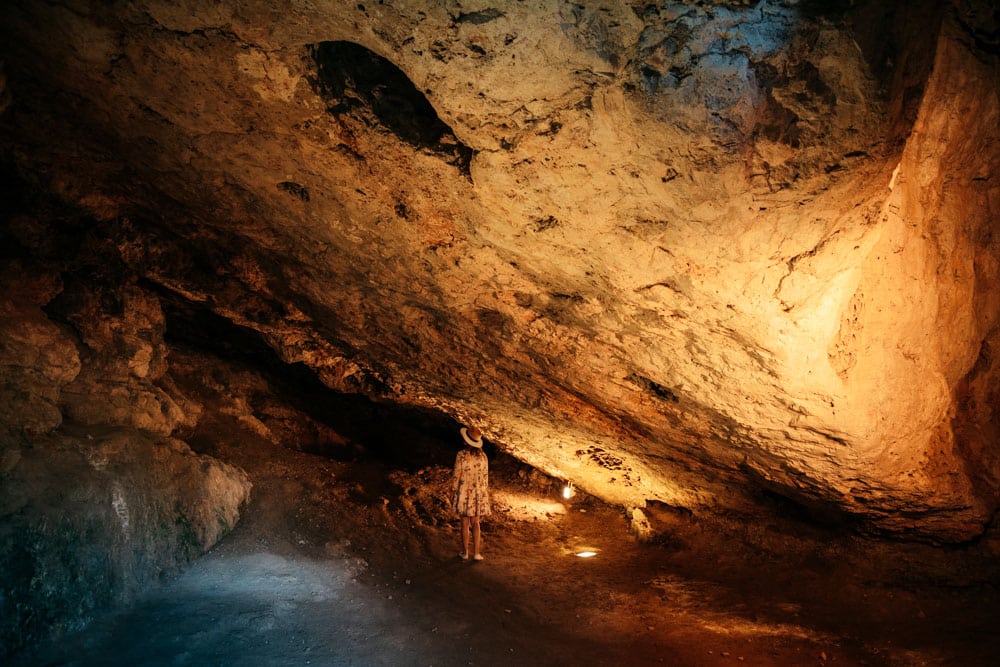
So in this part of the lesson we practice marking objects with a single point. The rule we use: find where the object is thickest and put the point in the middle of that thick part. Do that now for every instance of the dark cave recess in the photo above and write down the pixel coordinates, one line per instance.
(395, 435)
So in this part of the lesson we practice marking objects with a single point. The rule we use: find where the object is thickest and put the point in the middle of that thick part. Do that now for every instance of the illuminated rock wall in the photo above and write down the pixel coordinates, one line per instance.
(673, 252)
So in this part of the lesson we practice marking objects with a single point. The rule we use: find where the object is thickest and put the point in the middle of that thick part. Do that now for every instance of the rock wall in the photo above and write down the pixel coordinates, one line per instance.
(92, 516)
(97, 501)
(918, 330)
(676, 253)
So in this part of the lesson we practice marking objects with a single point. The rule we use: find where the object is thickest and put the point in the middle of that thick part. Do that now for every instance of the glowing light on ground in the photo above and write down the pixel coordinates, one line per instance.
(586, 554)
(526, 507)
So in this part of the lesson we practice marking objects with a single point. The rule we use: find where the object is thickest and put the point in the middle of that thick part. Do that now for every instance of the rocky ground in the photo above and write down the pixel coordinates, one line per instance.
(353, 562)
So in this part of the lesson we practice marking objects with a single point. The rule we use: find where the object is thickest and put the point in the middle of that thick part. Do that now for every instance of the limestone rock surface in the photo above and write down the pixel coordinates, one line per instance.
(37, 357)
(124, 366)
(96, 500)
(93, 516)
(673, 252)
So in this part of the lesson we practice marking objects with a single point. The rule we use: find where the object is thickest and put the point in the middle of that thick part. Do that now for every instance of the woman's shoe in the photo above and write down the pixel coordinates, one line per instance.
(477, 557)
(464, 555)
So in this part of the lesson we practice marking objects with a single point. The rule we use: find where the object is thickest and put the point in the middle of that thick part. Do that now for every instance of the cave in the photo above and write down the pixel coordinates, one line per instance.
(718, 281)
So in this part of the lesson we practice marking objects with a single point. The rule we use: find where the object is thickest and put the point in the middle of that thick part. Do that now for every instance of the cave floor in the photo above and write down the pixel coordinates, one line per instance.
(339, 563)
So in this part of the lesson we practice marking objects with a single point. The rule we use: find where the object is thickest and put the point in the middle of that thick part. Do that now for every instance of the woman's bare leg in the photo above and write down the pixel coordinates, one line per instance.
(466, 521)
(476, 539)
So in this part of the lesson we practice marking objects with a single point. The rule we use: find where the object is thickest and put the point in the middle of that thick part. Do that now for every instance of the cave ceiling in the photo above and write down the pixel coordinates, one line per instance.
(672, 252)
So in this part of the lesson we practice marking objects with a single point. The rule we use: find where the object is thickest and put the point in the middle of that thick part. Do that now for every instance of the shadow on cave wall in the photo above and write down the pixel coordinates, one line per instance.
(397, 436)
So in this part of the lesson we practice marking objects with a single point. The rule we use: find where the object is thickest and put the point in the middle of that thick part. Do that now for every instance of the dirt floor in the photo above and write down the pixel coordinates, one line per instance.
(355, 563)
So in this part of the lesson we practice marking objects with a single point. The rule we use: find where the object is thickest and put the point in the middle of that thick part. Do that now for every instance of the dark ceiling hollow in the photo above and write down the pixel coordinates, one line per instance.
(352, 78)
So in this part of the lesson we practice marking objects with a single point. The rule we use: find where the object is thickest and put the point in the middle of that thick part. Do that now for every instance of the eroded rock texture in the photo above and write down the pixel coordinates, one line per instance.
(673, 252)
(97, 500)
(94, 516)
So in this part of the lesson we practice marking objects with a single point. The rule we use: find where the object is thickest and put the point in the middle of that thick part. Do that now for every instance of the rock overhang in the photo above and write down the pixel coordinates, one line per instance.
(673, 253)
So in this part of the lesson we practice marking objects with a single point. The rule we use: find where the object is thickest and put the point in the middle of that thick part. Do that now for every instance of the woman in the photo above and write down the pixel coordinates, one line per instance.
(470, 497)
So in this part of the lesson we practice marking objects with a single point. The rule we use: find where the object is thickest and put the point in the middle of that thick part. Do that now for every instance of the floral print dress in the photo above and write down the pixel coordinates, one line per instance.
(470, 494)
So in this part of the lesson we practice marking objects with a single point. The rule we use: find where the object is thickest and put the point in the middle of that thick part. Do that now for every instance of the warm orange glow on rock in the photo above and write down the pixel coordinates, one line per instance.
(685, 259)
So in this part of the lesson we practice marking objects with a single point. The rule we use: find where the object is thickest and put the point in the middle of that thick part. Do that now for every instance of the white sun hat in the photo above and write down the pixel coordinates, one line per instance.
(477, 443)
